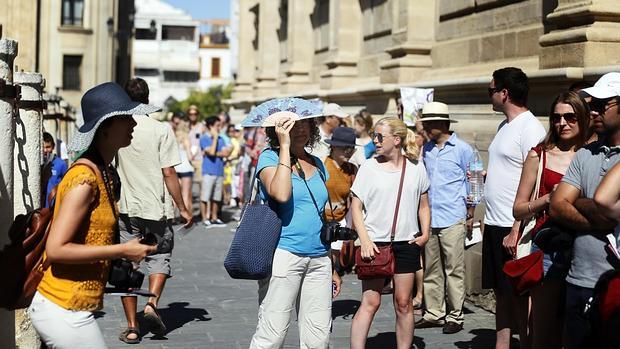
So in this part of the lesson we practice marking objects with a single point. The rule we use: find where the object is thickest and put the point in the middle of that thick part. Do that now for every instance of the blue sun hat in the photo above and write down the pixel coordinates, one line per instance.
(267, 113)
(99, 104)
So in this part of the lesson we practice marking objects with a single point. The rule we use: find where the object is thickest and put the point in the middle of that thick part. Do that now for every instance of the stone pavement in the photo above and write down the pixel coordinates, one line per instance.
(203, 307)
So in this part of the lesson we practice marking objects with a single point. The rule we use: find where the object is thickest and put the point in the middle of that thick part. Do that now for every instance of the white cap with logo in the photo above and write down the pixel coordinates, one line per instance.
(606, 87)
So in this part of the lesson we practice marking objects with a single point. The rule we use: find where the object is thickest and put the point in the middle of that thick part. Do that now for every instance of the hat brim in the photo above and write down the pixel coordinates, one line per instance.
(599, 92)
(83, 137)
(437, 118)
(340, 144)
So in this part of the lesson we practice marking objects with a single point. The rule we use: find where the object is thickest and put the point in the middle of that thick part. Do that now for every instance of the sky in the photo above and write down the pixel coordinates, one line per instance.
(203, 9)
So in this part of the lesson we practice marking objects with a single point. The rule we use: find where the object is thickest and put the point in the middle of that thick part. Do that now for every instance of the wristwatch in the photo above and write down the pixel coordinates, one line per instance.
(469, 216)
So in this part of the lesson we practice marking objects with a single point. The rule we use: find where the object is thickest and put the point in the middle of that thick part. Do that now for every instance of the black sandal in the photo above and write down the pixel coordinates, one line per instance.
(157, 326)
(130, 330)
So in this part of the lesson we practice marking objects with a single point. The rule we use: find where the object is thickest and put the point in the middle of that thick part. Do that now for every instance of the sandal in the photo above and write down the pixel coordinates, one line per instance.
(124, 336)
(157, 326)
(417, 304)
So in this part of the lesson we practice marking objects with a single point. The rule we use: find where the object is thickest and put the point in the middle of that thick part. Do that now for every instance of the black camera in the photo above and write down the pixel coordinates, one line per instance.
(124, 276)
(332, 231)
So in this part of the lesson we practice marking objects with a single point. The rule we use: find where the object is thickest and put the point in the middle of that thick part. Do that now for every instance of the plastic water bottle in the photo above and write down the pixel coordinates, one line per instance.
(476, 179)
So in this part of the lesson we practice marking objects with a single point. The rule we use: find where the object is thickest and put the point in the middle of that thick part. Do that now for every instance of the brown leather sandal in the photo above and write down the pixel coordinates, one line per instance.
(124, 336)
(156, 325)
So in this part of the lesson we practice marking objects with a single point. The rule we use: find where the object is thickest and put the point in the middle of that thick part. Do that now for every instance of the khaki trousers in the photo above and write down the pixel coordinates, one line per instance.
(298, 282)
(444, 274)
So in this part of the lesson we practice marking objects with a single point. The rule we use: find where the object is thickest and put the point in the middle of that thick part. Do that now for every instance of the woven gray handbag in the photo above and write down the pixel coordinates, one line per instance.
(251, 252)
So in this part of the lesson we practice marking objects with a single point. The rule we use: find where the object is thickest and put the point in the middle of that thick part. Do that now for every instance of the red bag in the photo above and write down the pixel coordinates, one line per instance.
(382, 266)
(526, 272)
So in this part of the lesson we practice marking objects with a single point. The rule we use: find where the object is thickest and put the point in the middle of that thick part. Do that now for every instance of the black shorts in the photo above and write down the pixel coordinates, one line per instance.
(493, 258)
(406, 256)
(185, 174)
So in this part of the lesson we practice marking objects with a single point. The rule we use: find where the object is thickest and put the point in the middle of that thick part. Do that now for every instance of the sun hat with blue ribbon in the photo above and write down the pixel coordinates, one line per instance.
(99, 104)
(267, 113)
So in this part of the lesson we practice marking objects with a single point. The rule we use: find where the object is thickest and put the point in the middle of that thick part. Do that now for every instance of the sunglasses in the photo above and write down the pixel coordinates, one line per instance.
(600, 105)
(492, 90)
(379, 136)
(570, 118)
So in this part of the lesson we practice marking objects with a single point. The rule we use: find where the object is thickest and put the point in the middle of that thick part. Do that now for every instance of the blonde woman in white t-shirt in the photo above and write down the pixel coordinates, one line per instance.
(375, 192)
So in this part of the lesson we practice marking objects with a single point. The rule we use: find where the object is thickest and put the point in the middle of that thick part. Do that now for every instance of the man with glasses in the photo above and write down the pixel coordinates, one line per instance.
(515, 137)
(573, 208)
(446, 158)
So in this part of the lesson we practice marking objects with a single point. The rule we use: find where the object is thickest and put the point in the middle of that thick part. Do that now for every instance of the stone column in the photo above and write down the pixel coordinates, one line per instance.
(246, 62)
(8, 51)
(300, 47)
(586, 34)
(415, 20)
(345, 21)
(268, 49)
(27, 175)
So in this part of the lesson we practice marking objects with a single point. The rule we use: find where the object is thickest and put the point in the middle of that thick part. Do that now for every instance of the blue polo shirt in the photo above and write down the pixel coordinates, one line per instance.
(301, 223)
(59, 168)
(212, 165)
(447, 172)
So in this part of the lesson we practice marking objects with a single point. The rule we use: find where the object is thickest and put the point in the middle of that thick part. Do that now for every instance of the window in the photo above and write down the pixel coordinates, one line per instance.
(145, 34)
(320, 22)
(72, 12)
(146, 72)
(169, 32)
(215, 67)
(71, 72)
(377, 18)
(181, 76)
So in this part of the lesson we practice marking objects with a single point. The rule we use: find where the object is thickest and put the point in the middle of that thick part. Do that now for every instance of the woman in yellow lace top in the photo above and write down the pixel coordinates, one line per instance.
(81, 238)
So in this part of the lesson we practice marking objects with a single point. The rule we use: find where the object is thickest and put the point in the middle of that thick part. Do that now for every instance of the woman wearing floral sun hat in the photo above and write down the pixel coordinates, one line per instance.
(81, 237)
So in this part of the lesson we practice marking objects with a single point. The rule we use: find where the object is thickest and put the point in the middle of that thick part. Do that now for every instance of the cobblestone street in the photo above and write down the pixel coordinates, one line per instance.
(203, 307)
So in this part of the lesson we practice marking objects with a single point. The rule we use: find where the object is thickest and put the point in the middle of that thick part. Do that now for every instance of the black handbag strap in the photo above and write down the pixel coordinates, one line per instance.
(400, 191)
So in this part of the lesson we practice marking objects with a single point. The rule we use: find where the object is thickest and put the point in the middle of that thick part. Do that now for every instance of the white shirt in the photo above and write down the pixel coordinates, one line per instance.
(377, 188)
(321, 149)
(507, 153)
(143, 190)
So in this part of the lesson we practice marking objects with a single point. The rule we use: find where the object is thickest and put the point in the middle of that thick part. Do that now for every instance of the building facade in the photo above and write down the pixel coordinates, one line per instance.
(165, 50)
(215, 55)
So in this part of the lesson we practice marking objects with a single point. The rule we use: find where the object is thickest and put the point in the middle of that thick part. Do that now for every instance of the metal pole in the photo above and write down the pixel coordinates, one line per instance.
(8, 51)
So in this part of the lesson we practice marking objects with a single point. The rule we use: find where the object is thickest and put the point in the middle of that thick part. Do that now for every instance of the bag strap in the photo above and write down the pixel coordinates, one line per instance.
(400, 191)
(303, 177)
(542, 163)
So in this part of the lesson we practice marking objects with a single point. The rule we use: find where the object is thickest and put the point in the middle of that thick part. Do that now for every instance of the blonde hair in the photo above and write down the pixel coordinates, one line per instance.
(407, 136)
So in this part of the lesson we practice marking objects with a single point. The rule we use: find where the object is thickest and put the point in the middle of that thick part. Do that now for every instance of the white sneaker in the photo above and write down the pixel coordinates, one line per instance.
(207, 223)
(218, 223)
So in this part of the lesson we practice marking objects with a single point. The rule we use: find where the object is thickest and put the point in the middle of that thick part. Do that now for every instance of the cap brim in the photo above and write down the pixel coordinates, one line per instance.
(599, 92)
(340, 144)
(83, 137)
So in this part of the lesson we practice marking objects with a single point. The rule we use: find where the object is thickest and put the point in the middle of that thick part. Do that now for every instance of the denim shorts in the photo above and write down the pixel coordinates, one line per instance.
(556, 264)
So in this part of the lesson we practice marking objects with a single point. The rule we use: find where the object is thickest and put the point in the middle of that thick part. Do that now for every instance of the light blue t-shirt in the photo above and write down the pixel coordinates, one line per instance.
(301, 223)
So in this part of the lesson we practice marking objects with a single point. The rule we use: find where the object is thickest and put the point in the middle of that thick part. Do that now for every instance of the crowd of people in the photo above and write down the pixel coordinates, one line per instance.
(399, 186)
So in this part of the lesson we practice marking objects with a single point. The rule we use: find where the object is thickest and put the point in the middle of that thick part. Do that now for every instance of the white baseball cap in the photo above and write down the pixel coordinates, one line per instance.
(334, 109)
(606, 87)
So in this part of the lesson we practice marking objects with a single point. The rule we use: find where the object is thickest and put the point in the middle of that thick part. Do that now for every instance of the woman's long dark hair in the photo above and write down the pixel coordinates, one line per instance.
(582, 112)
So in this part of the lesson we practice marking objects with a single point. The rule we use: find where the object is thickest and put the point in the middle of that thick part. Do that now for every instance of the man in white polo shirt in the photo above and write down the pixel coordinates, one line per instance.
(332, 116)
(515, 137)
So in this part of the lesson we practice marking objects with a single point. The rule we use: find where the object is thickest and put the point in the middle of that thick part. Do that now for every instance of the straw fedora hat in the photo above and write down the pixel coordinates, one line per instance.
(436, 111)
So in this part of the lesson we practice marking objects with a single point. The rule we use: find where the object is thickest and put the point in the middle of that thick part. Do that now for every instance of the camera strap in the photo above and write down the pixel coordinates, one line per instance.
(303, 177)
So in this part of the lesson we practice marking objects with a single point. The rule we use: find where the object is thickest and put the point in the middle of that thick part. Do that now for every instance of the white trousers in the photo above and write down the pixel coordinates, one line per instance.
(60, 328)
(310, 278)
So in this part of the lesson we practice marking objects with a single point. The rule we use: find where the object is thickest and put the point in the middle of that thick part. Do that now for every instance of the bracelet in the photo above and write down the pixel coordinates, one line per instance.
(469, 216)
(529, 207)
(285, 165)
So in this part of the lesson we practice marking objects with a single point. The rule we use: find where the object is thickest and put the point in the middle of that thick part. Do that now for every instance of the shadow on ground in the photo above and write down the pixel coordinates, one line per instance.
(344, 308)
(483, 338)
(388, 340)
(175, 316)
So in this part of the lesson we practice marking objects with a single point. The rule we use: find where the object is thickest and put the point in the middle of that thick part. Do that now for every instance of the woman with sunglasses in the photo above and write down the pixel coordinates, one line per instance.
(373, 206)
(568, 131)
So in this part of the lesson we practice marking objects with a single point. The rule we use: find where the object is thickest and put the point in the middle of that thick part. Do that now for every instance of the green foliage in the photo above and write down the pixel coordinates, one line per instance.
(208, 103)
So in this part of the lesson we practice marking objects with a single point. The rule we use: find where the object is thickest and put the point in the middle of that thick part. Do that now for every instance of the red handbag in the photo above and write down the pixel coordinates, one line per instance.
(526, 272)
(383, 265)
